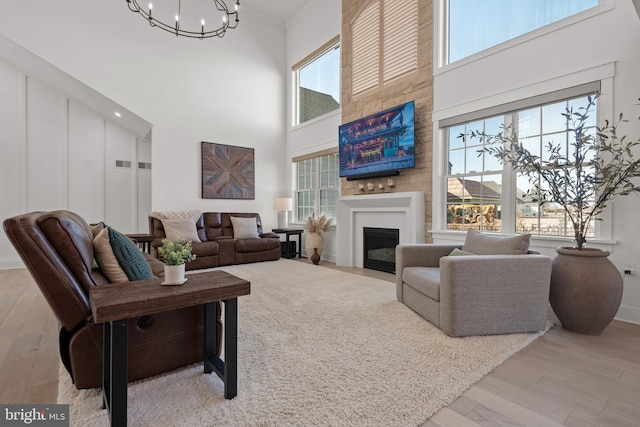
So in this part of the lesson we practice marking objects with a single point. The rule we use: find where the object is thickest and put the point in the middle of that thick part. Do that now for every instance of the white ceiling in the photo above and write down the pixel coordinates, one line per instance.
(280, 10)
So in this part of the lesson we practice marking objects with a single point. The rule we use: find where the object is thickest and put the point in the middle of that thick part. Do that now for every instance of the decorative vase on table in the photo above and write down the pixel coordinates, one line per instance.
(314, 244)
(175, 255)
(174, 274)
(586, 289)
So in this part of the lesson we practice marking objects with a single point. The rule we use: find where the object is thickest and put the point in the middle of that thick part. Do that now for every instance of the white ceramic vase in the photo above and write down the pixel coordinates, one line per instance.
(174, 274)
(311, 241)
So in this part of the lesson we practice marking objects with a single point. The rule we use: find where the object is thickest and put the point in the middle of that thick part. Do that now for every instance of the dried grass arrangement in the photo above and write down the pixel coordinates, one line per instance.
(317, 224)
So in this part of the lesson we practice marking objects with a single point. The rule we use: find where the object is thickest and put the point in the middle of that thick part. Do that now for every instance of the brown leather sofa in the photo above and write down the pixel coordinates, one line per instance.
(57, 249)
(218, 246)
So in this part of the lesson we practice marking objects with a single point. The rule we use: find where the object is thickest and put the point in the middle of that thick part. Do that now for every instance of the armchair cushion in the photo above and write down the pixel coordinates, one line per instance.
(423, 279)
(106, 259)
(181, 229)
(460, 252)
(486, 244)
(244, 228)
(129, 256)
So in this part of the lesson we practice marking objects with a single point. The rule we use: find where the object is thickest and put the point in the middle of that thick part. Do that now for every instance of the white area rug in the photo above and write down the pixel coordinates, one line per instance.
(315, 347)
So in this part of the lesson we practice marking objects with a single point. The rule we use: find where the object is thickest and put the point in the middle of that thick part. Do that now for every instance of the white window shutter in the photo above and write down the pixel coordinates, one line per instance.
(400, 46)
(365, 50)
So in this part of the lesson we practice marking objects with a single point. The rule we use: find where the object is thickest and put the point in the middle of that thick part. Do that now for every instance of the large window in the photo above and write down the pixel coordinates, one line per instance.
(318, 83)
(318, 186)
(483, 194)
(476, 25)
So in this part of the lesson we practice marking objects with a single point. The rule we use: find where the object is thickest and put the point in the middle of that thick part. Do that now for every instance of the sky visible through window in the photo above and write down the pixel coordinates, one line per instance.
(323, 74)
(476, 25)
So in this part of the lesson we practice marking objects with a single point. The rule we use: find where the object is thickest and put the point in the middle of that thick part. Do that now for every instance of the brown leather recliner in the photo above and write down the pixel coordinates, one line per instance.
(57, 249)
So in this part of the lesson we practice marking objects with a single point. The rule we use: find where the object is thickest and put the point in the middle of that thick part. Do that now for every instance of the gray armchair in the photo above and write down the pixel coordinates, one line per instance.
(475, 294)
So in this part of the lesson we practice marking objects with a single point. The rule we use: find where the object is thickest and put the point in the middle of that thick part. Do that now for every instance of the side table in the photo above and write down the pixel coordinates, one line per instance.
(113, 305)
(142, 240)
(291, 232)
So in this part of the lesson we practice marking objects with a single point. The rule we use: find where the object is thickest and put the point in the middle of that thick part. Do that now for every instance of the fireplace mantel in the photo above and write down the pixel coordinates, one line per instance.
(404, 211)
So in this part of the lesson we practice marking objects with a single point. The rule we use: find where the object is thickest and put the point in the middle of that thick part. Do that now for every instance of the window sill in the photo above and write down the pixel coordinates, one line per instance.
(549, 242)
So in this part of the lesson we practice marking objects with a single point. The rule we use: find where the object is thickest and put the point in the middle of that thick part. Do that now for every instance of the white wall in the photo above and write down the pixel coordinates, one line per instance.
(54, 148)
(604, 45)
(318, 23)
(228, 91)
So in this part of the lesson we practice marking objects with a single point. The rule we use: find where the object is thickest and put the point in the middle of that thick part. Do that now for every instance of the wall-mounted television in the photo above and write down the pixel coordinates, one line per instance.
(378, 145)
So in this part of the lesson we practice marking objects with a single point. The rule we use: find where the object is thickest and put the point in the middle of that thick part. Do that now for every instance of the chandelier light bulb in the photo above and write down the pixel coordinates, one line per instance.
(224, 19)
(177, 18)
(202, 22)
(150, 6)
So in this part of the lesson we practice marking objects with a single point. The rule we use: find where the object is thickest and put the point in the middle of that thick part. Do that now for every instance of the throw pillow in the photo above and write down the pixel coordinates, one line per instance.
(181, 229)
(244, 228)
(97, 228)
(460, 252)
(129, 256)
(106, 260)
(485, 244)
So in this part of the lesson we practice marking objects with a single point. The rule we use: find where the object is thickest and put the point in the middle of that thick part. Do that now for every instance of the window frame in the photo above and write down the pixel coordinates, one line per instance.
(334, 43)
(603, 229)
(317, 190)
(441, 48)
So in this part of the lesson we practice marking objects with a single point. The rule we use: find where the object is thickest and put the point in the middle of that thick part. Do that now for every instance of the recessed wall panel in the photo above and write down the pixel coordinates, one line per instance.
(12, 147)
(119, 171)
(45, 147)
(85, 159)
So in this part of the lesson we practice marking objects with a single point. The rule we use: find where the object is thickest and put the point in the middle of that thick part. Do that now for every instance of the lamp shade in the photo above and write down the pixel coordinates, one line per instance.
(283, 204)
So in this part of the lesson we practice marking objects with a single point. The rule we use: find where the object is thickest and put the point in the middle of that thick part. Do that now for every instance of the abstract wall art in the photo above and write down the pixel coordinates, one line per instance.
(228, 172)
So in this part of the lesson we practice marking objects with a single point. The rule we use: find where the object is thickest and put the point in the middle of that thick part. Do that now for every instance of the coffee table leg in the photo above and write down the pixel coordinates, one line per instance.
(106, 365)
(118, 373)
(210, 338)
(231, 348)
(227, 370)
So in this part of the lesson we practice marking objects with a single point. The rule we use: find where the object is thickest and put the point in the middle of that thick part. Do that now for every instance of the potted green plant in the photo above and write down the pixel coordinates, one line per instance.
(586, 288)
(175, 255)
(314, 241)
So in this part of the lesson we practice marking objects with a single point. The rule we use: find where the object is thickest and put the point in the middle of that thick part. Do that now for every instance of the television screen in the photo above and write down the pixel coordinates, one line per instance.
(380, 144)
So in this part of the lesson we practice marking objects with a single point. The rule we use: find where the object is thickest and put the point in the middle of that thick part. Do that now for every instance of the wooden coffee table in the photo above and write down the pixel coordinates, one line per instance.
(113, 305)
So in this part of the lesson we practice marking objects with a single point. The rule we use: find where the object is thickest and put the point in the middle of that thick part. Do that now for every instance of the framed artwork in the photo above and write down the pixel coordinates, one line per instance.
(228, 172)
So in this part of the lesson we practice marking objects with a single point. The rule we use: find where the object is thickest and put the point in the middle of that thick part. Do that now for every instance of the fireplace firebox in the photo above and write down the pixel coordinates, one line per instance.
(380, 248)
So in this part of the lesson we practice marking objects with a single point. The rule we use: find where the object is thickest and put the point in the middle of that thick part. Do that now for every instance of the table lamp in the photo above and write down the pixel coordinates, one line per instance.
(283, 206)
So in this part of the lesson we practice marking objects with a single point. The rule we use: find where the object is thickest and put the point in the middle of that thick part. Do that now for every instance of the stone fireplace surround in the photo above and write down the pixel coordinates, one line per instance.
(404, 211)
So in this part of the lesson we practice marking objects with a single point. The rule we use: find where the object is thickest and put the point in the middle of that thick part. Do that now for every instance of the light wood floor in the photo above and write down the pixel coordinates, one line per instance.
(561, 379)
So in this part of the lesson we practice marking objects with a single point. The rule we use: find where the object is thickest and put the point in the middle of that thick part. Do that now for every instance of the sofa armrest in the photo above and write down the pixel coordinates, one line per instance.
(505, 286)
(418, 255)
(269, 235)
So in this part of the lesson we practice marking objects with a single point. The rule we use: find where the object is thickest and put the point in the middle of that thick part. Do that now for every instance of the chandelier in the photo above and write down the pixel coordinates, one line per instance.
(205, 30)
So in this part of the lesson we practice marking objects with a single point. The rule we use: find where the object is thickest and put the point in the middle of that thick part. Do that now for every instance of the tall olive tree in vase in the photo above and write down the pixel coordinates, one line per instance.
(599, 164)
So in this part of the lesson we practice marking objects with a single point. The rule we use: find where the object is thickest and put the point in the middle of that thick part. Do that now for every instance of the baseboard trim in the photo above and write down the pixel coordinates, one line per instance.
(11, 263)
(628, 314)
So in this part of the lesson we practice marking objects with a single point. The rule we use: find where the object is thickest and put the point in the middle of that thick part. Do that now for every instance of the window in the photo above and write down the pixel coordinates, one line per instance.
(483, 194)
(318, 186)
(475, 25)
(318, 82)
